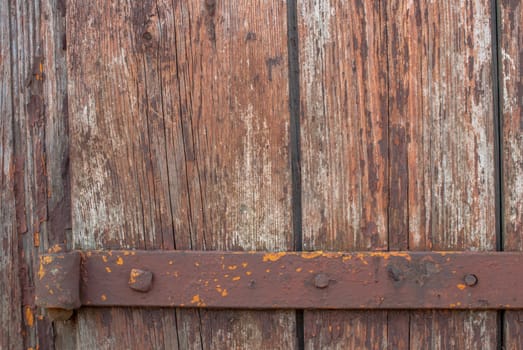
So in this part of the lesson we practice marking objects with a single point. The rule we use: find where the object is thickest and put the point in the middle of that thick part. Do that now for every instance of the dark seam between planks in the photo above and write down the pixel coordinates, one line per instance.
(498, 146)
(498, 122)
(294, 111)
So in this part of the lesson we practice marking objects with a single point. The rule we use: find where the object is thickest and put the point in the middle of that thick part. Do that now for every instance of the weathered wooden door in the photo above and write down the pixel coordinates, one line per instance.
(264, 125)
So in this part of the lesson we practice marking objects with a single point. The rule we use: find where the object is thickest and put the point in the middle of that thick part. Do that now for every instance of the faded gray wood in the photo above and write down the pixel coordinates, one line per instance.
(10, 291)
(34, 150)
(179, 140)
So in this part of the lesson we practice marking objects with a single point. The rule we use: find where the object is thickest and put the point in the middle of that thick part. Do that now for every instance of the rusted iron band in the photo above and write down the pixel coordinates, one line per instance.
(306, 280)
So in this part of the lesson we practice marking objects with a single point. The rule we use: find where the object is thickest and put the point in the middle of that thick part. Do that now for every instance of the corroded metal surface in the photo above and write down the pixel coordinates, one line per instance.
(309, 280)
(58, 281)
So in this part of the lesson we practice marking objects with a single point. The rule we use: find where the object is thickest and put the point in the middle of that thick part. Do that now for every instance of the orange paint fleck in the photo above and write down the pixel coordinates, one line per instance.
(55, 249)
(29, 317)
(237, 278)
(132, 276)
(41, 271)
(104, 258)
(196, 264)
(299, 269)
(273, 256)
(224, 293)
(103, 297)
(232, 267)
(311, 255)
(108, 269)
(244, 264)
(362, 258)
(36, 239)
(196, 299)
(461, 286)
(47, 259)
(119, 261)
(248, 273)
(268, 270)
(171, 262)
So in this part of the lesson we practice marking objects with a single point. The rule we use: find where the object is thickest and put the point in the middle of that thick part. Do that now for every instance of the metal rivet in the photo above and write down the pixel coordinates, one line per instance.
(471, 280)
(140, 280)
(321, 280)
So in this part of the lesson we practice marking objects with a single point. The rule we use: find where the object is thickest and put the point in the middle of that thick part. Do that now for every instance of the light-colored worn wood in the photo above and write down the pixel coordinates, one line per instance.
(441, 98)
(511, 85)
(179, 139)
(398, 140)
(449, 151)
(344, 142)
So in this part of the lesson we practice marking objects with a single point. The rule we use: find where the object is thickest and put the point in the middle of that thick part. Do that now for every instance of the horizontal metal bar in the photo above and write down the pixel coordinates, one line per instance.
(285, 280)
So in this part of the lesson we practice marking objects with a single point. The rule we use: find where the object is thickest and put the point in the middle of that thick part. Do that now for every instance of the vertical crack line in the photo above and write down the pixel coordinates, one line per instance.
(498, 122)
(184, 137)
(294, 127)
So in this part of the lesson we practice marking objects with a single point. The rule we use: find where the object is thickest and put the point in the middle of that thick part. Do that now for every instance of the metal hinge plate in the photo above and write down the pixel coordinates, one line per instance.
(283, 280)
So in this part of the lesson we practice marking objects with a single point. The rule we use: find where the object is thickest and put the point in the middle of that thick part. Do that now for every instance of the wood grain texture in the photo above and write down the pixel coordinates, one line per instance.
(441, 122)
(511, 84)
(397, 127)
(10, 289)
(35, 143)
(344, 142)
(179, 140)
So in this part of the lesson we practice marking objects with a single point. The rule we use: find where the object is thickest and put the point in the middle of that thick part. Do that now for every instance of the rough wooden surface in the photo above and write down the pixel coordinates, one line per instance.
(10, 291)
(511, 84)
(34, 151)
(398, 145)
(179, 139)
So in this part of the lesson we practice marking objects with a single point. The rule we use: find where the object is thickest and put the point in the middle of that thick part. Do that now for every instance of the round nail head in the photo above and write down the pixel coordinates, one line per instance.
(471, 280)
(321, 281)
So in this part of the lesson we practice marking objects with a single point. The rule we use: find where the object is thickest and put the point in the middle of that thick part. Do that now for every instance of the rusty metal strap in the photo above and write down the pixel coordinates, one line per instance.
(257, 280)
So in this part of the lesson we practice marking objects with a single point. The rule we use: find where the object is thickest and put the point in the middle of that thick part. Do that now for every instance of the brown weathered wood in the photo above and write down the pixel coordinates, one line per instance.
(179, 139)
(35, 145)
(511, 85)
(416, 79)
(10, 291)
(442, 124)
(344, 146)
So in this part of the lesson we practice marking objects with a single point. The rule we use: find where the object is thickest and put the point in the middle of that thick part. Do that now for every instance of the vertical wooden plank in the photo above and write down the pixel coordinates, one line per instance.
(39, 144)
(10, 291)
(232, 78)
(344, 143)
(179, 139)
(442, 146)
(416, 79)
(511, 84)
